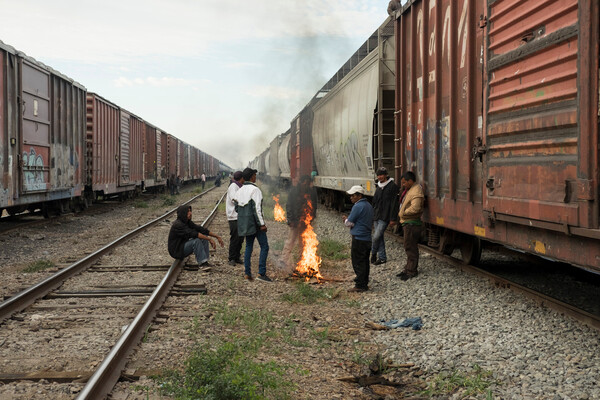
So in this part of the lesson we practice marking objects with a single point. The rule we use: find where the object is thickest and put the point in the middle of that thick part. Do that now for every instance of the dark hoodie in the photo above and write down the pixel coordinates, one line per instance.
(181, 231)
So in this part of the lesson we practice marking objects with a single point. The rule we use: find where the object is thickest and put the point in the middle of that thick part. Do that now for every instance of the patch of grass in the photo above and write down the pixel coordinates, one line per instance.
(39, 265)
(226, 369)
(140, 204)
(168, 201)
(222, 206)
(255, 321)
(306, 294)
(333, 250)
(476, 381)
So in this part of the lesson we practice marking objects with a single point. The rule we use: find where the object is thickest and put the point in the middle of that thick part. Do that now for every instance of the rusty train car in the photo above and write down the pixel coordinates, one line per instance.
(495, 107)
(62, 147)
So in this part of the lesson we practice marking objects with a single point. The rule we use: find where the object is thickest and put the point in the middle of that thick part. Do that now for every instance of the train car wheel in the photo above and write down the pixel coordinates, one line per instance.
(446, 245)
(470, 250)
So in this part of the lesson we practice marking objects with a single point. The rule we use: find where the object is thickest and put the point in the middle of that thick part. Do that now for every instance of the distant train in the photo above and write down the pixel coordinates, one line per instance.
(493, 104)
(62, 147)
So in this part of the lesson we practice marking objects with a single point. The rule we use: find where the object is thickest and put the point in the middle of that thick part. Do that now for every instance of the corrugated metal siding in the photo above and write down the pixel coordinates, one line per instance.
(137, 129)
(124, 150)
(172, 152)
(163, 175)
(103, 143)
(68, 136)
(273, 169)
(151, 154)
(532, 115)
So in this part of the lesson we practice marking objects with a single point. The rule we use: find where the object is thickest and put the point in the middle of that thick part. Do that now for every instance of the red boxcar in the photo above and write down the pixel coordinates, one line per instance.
(42, 135)
(301, 144)
(172, 156)
(497, 113)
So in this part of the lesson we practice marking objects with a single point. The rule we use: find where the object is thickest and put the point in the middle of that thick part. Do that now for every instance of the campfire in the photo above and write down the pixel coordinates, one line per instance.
(278, 212)
(308, 266)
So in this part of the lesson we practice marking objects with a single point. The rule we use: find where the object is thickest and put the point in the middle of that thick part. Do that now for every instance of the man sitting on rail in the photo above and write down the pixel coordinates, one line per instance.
(185, 237)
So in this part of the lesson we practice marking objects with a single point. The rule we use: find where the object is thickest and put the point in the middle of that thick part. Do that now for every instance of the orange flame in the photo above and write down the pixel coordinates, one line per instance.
(278, 212)
(309, 263)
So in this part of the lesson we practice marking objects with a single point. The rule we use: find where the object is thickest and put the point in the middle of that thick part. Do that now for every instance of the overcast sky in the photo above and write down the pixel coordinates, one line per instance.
(225, 76)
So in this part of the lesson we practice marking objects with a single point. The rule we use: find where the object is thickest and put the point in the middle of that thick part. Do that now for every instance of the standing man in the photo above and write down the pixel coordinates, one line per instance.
(185, 237)
(235, 241)
(296, 209)
(251, 223)
(360, 222)
(203, 180)
(385, 212)
(411, 209)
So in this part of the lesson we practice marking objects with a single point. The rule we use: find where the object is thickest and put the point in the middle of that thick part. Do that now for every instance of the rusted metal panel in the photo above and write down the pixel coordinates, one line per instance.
(137, 129)
(533, 135)
(439, 96)
(67, 152)
(124, 137)
(104, 127)
(172, 152)
(151, 155)
(162, 170)
(301, 144)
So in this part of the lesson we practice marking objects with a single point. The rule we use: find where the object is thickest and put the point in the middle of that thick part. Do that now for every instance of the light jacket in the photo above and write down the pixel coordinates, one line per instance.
(412, 205)
(232, 215)
(248, 201)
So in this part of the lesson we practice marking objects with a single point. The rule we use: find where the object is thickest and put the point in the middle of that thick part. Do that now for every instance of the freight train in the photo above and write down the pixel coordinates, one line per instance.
(493, 104)
(62, 147)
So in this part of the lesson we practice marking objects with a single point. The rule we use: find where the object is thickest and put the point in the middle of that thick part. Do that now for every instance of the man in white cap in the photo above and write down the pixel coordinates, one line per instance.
(360, 222)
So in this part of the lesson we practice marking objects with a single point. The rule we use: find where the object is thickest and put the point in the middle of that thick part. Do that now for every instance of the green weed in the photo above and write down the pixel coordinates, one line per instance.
(39, 265)
(333, 250)
(476, 381)
(140, 204)
(226, 369)
(306, 294)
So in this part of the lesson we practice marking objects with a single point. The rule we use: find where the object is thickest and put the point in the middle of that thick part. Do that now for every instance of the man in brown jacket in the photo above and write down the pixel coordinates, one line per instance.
(409, 216)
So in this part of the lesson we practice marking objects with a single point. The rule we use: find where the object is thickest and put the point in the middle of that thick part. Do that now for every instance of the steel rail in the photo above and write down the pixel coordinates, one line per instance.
(108, 373)
(591, 320)
(23, 299)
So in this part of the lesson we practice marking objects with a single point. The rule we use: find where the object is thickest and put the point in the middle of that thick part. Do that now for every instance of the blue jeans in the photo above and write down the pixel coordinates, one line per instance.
(261, 236)
(199, 247)
(379, 227)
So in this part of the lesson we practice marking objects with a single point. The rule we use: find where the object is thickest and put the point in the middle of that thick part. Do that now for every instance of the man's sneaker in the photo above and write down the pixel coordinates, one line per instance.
(264, 278)
(249, 277)
(373, 258)
(232, 263)
(379, 262)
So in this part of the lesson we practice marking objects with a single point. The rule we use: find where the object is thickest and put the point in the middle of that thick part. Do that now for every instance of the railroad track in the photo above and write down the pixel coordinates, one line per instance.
(11, 223)
(583, 316)
(90, 312)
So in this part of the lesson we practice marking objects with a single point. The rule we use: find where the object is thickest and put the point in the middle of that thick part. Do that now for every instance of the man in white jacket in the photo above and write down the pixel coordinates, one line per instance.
(235, 240)
(251, 223)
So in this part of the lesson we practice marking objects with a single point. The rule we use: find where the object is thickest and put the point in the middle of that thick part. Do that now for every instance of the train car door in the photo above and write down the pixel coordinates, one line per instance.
(34, 163)
(125, 145)
(536, 171)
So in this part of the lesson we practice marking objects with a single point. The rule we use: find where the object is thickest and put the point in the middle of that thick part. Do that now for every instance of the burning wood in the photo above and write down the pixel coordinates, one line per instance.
(309, 263)
(278, 212)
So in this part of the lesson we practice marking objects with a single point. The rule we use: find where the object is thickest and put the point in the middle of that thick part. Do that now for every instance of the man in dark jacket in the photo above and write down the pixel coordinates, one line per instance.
(296, 210)
(185, 237)
(385, 212)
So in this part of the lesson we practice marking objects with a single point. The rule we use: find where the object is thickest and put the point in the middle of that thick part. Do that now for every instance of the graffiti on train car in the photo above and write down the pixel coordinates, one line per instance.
(33, 171)
(65, 164)
(351, 156)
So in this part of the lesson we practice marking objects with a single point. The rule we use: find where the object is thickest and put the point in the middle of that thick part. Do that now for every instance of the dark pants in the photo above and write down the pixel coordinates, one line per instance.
(412, 234)
(203, 183)
(235, 242)
(360, 262)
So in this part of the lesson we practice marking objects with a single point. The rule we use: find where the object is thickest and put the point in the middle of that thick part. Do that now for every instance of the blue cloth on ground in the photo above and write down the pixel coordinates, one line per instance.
(415, 323)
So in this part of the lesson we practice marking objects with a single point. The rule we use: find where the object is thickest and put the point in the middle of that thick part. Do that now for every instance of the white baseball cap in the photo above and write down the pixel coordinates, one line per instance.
(356, 189)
